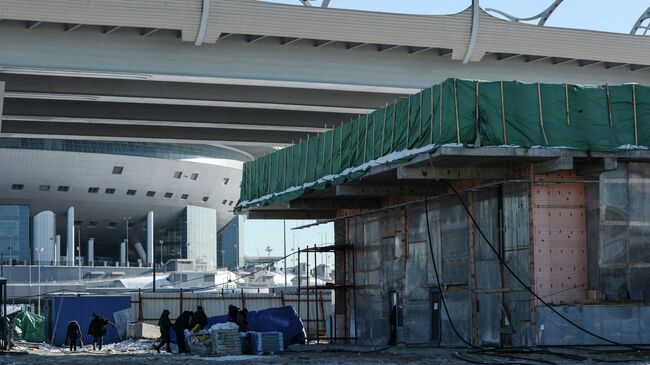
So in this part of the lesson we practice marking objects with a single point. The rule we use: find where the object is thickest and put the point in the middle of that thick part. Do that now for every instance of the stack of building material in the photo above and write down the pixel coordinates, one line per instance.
(225, 342)
(266, 343)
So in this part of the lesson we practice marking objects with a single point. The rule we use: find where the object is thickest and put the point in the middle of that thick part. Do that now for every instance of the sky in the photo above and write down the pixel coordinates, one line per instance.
(602, 15)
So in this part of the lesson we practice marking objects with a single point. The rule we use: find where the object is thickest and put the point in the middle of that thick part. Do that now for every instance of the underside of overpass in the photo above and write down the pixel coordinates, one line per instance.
(258, 77)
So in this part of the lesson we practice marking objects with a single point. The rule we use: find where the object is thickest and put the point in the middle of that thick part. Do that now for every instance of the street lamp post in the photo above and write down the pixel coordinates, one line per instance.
(38, 253)
(161, 253)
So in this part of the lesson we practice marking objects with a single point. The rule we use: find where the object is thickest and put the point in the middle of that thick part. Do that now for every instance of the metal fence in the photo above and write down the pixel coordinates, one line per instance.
(314, 310)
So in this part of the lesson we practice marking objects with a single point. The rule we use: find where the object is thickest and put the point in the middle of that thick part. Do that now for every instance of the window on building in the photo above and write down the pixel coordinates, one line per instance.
(44, 188)
(151, 193)
(92, 224)
(17, 187)
(111, 225)
(230, 203)
(178, 174)
(224, 202)
(93, 190)
(117, 170)
(130, 192)
(194, 176)
(63, 188)
(131, 224)
(109, 191)
(169, 195)
(184, 196)
(225, 181)
(205, 198)
(78, 223)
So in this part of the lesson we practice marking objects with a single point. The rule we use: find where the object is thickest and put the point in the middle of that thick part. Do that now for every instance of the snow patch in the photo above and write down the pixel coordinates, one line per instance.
(629, 147)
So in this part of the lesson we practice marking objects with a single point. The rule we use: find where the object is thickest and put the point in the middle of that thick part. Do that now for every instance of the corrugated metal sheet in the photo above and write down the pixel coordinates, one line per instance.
(560, 239)
(60, 310)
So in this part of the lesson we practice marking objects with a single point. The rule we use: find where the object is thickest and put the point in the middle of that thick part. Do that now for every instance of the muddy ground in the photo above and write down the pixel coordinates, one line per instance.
(326, 355)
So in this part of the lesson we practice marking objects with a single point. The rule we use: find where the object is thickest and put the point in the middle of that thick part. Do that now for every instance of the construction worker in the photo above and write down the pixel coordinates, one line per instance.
(97, 330)
(165, 325)
(183, 322)
(73, 334)
(199, 319)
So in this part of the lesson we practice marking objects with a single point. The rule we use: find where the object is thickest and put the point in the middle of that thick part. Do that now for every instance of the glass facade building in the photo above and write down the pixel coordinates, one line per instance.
(14, 233)
(228, 241)
(193, 237)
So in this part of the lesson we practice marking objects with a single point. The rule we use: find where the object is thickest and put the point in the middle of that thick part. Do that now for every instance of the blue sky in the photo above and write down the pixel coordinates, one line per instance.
(602, 15)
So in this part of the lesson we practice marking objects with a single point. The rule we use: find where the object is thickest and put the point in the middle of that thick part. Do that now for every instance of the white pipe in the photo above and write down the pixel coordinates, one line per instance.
(476, 10)
(70, 238)
(140, 250)
(203, 25)
(149, 258)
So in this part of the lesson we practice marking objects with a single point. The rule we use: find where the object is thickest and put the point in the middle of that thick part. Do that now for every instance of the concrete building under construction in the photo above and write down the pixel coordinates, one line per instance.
(496, 213)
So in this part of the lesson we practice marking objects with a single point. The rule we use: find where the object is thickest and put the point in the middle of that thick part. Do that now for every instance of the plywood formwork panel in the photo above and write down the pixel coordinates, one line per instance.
(559, 238)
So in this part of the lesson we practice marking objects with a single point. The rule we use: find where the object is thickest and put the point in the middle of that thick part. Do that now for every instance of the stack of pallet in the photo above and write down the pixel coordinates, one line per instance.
(225, 342)
(266, 343)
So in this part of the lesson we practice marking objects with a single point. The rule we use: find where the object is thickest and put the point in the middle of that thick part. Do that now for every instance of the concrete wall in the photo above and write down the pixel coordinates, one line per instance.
(623, 324)
(392, 254)
(619, 224)
(486, 304)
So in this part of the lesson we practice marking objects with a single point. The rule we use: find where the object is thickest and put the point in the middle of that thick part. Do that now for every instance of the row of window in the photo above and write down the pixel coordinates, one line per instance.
(117, 170)
(110, 191)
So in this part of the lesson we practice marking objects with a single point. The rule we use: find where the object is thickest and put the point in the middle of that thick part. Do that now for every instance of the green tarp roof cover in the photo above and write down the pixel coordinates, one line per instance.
(461, 112)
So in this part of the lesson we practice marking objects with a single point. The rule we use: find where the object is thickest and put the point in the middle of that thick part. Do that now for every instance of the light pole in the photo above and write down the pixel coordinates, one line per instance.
(161, 259)
(11, 262)
(127, 239)
(38, 252)
(284, 231)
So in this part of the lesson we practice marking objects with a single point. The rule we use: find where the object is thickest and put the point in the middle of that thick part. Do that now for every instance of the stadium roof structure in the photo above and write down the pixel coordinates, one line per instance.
(468, 36)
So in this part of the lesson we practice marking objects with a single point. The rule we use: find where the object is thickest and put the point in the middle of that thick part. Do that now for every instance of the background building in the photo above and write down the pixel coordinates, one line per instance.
(112, 186)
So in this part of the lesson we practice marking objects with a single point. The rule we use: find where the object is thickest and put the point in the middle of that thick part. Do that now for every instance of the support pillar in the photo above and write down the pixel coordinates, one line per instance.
(150, 257)
(57, 250)
(91, 252)
(70, 238)
(123, 253)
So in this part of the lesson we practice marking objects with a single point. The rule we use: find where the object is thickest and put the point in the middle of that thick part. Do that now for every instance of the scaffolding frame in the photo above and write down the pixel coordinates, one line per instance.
(315, 290)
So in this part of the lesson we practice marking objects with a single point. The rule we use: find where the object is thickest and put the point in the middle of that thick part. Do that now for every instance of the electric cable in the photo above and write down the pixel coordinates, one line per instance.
(435, 269)
(527, 287)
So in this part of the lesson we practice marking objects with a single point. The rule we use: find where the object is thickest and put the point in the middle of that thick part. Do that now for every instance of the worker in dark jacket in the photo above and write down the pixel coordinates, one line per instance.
(165, 325)
(183, 322)
(199, 318)
(97, 329)
(73, 334)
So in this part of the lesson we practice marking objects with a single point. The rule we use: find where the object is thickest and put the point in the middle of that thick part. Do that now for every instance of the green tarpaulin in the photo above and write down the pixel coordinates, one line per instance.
(29, 326)
(463, 112)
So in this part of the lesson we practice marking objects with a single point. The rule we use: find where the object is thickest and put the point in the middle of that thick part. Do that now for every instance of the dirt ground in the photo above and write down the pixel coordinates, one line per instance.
(141, 354)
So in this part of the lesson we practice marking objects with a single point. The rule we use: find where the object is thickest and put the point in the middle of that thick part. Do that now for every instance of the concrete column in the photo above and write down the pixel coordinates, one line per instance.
(91, 252)
(57, 250)
(70, 234)
(150, 257)
(123, 253)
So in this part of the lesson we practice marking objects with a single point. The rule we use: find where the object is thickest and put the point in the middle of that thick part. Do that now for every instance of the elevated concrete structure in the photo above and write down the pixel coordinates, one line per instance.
(282, 73)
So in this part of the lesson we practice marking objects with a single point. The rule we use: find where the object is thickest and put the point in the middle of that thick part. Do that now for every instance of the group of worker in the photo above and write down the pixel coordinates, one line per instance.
(97, 330)
(187, 321)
